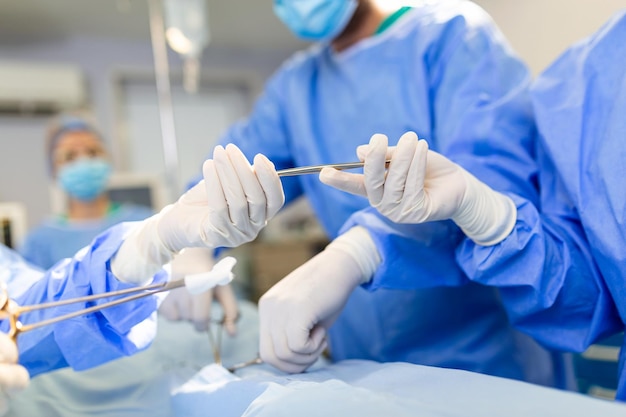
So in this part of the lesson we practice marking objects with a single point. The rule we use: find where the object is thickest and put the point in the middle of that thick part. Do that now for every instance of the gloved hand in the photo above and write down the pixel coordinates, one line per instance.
(422, 185)
(229, 207)
(296, 312)
(180, 304)
(13, 377)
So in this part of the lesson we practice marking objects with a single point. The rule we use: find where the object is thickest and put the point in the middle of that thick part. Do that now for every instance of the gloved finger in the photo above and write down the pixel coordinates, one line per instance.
(266, 345)
(417, 172)
(233, 189)
(300, 362)
(254, 194)
(13, 378)
(281, 341)
(226, 297)
(182, 302)
(316, 337)
(168, 308)
(272, 342)
(363, 150)
(215, 194)
(344, 181)
(304, 362)
(201, 310)
(270, 182)
(294, 363)
(8, 349)
(181, 305)
(374, 169)
(267, 349)
(395, 183)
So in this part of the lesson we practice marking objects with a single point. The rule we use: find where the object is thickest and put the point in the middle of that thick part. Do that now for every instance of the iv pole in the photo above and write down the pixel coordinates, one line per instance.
(166, 112)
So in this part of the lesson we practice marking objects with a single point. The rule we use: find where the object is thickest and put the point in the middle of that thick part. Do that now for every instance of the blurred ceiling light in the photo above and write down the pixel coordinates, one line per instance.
(177, 41)
(187, 32)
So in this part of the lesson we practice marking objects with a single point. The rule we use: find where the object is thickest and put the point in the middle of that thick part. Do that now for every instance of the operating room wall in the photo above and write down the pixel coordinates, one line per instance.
(539, 30)
(23, 174)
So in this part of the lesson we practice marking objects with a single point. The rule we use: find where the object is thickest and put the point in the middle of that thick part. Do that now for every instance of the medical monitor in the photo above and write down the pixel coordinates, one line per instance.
(12, 224)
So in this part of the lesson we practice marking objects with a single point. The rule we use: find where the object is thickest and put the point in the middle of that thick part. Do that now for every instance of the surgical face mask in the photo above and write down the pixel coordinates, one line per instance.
(316, 20)
(85, 179)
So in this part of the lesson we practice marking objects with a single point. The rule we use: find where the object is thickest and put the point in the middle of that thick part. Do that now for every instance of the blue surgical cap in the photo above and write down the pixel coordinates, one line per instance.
(65, 124)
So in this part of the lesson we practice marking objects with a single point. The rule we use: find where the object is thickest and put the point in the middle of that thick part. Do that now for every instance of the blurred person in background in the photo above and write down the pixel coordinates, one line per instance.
(80, 164)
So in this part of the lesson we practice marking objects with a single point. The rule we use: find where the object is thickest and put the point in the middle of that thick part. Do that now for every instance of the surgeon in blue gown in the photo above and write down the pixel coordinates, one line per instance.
(443, 70)
(560, 264)
(570, 257)
(79, 163)
(229, 207)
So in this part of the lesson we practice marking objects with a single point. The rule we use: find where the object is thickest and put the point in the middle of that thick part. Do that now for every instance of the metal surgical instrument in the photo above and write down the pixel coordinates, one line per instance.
(237, 366)
(313, 169)
(216, 346)
(10, 310)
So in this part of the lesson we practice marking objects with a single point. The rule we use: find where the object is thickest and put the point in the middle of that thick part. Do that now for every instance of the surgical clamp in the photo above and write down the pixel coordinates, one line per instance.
(216, 346)
(10, 310)
(237, 366)
(313, 169)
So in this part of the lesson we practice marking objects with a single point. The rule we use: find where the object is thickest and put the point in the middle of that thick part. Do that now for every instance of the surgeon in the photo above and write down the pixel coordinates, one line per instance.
(81, 166)
(560, 265)
(228, 208)
(79, 163)
(441, 69)
(569, 289)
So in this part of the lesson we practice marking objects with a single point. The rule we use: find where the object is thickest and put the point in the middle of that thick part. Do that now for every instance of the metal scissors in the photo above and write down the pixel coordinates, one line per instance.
(313, 169)
(216, 347)
(11, 311)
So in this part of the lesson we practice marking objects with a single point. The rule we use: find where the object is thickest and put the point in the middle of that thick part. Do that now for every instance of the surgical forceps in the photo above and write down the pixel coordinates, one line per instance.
(313, 169)
(10, 310)
(237, 366)
(216, 347)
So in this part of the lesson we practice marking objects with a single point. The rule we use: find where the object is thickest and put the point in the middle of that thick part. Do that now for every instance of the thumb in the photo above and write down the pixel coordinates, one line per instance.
(363, 150)
(316, 338)
(344, 181)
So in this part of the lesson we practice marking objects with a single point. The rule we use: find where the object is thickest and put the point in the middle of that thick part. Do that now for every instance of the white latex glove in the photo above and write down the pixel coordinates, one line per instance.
(13, 377)
(229, 207)
(422, 185)
(296, 312)
(180, 304)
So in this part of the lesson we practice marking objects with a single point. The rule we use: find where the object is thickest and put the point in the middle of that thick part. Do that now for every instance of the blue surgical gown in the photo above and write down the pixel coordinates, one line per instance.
(562, 271)
(86, 341)
(58, 238)
(444, 71)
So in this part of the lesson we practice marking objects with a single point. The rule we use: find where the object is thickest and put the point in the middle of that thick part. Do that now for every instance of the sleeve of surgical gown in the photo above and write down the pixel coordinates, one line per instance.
(265, 131)
(482, 119)
(549, 277)
(90, 340)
